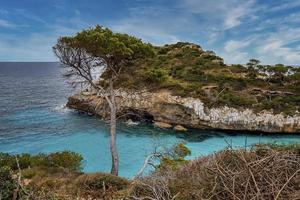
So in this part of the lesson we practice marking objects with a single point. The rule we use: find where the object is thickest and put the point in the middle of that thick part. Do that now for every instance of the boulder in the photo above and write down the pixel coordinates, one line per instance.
(180, 128)
(131, 123)
(162, 125)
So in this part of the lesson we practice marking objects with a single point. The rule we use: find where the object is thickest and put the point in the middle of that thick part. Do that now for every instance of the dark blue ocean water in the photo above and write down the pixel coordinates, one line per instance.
(33, 120)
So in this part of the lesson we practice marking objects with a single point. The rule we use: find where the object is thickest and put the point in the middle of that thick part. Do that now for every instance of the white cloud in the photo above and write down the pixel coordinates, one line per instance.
(236, 14)
(235, 51)
(227, 14)
(149, 33)
(28, 15)
(7, 24)
(216, 7)
(4, 12)
(37, 46)
(154, 24)
(275, 50)
(288, 4)
(208, 23)
(234, 45)
(237, 57)
(34, 47)
(270, 48)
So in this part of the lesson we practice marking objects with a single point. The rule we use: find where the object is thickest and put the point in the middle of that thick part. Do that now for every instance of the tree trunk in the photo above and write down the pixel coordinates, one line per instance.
(113, 125)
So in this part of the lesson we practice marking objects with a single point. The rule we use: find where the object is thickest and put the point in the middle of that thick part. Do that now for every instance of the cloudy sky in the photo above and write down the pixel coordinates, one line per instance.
(237, 30)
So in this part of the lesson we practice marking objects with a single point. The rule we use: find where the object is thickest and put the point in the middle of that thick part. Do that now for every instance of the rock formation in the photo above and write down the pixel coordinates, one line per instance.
(188, 112)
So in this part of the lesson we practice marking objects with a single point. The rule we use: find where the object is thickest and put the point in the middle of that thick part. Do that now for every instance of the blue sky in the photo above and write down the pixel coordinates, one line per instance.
(235, 29)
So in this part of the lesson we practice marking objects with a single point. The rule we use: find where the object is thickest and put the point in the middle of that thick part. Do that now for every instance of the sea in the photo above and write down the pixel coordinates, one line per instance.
(34, 119)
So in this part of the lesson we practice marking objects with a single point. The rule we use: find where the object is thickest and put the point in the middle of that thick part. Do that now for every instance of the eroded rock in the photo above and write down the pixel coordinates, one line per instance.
(180, 128)
(162, 125)
(189, 112)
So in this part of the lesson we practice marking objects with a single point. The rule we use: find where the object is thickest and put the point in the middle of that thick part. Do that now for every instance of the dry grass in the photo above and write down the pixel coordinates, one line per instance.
(73, 185)
(264, 172)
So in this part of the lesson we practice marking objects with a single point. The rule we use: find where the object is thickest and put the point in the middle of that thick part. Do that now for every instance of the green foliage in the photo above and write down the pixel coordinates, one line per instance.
(181, 151)
(68, 160)
(174, 157)
(262, 149)
(234, 100)
(115, 50)
(253, 63)
(252, 72)
(7, 183)
(6, 160)
(31, 172)
(210, 177)
(238, 69)
(98, 180)
(279, 68)
(184, 68)
(280, 104)
(157, 75)
(37, 168)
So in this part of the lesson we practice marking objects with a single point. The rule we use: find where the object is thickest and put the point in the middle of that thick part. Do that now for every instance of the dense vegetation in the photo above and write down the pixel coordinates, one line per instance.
(187, 70)
(261, 172)
(17, 171)
(58, 176)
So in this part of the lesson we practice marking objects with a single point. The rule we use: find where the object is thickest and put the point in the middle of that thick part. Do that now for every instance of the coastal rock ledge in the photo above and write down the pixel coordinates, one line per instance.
(188, 112)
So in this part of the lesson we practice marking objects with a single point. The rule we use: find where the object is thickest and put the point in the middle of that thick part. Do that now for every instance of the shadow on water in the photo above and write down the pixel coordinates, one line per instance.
(34, 120)
(192, 135)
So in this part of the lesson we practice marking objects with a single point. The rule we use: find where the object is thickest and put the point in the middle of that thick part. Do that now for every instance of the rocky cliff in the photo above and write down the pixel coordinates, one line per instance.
(189, 112)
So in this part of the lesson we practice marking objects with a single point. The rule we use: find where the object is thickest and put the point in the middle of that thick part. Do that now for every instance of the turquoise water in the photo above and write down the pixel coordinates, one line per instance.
(33, 120)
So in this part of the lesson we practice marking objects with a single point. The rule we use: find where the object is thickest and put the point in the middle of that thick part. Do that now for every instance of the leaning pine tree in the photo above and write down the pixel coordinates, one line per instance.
(101, 51)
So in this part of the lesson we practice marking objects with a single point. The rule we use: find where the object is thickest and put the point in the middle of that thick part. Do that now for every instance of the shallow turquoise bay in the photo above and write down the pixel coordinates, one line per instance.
(33, 120)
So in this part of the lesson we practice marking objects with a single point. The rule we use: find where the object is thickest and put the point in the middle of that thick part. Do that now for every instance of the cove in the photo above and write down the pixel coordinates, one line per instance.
(33, 120)
(89, 136)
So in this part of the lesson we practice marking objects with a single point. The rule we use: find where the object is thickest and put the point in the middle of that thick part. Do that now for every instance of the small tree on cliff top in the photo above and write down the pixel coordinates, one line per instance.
(100, 49)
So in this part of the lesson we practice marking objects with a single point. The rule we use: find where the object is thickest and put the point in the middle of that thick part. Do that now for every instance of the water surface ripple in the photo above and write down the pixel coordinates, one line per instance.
(33, 120)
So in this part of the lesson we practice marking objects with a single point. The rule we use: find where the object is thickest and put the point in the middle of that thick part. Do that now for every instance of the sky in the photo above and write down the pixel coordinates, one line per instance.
(237, 30)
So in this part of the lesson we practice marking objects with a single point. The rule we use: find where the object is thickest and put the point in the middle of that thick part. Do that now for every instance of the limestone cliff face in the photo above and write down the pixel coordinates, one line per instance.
(189, 112)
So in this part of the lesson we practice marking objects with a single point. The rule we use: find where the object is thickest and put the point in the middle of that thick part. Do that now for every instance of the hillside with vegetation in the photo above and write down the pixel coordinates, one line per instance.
(187, 70)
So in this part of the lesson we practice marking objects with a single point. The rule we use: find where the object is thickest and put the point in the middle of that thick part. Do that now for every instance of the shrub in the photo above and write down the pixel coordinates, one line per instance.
(230, 99)
(174, 157)
(7, 184)
(66, 159)
(262, 172)
(97, 180)
(157, 75)
(6, 160)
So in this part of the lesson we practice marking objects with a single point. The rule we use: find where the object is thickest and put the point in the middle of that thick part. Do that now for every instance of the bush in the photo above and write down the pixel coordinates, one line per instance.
(291, 148)
(230, 99)
(7, 184)
(157, 75)
(68, 160)
(287, 105)
(174, 157)
(97, 180)
(6, 160)
(262, 172)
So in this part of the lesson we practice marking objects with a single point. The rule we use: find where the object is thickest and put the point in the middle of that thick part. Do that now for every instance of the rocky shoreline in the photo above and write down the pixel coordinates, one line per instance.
(177, 112)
